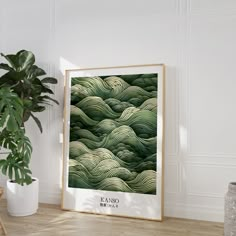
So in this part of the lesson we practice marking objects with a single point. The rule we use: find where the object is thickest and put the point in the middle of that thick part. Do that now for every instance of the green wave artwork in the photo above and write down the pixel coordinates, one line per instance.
(113, 133)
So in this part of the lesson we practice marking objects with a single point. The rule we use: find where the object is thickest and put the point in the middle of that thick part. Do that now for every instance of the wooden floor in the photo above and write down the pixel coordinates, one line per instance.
(50, 220)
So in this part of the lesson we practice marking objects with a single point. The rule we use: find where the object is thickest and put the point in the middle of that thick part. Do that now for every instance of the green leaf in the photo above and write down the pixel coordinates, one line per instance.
(5, 67)
(27, 102)
(25, 59)
(10, 171)
(26, 115)
(28, 171)
(4, 168)
(22, 60)
(49, 80)
(19, 144)
(12, 79)
(37, 122)
(28, 179)
(24, 147)
(2, 162)
(3, 119)
(11, 124)
(12, 59)
(47, 90)
(11, 110)
(49, 98)
(38, 108)
(35, 71)
(16, 171)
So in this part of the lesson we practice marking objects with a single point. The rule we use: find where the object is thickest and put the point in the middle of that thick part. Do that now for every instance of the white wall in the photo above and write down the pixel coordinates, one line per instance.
(194, 38)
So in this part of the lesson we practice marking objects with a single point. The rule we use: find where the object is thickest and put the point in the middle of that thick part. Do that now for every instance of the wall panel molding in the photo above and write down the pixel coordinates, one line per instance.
(214, 27)
(172, 90)
(208, 180)
(212, 7)
(198, 212)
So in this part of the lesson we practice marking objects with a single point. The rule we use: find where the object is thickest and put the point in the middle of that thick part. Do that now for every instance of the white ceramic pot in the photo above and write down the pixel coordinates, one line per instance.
(22, 200)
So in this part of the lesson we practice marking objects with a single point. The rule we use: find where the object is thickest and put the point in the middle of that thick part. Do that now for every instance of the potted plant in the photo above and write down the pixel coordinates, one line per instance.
(22, 94)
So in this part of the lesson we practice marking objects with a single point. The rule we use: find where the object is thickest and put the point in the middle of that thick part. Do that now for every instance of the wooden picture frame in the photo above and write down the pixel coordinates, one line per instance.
(114, 141)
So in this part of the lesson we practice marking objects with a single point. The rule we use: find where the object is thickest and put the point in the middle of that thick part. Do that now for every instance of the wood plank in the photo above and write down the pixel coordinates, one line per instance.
(52, 221)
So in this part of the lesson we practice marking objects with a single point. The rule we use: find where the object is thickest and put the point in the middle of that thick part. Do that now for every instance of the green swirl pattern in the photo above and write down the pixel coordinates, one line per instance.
(113, 133)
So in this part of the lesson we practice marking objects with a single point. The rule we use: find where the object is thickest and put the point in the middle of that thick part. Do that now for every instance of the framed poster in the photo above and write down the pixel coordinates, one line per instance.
(113, 141)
